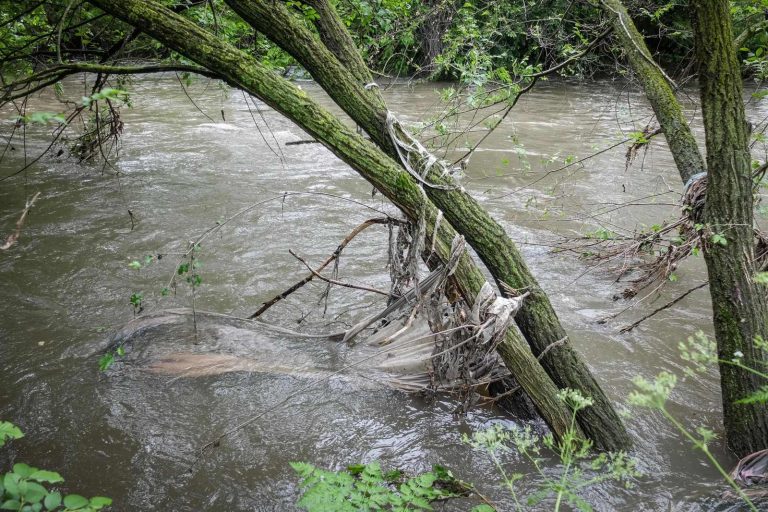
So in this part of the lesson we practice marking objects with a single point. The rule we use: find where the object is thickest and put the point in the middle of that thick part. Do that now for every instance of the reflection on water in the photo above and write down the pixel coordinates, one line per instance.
(131, 434)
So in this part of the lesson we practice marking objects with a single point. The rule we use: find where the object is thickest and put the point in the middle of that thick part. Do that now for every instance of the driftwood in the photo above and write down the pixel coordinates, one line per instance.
(243, 71)
(13, 237)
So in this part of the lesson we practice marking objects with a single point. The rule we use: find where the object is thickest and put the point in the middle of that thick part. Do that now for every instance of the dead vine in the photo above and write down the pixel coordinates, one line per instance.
(652, 255)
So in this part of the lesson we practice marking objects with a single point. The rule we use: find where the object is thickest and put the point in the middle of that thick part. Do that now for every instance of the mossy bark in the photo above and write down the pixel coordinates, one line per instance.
(739, 304)
(242, 71)
(658, 90)
(339, 69)
(740, 312)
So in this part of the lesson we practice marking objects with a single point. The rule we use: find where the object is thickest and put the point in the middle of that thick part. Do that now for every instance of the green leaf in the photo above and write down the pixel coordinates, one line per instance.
(11, 484)
(34, 492)
(75, 501)
(356, 469)
(99, 502)
(52, 501)
(50, 477)
(10, 505)
(135, 264)
(483, 508)
(9, 431)
(106, 361)
(23, 470)
(758, 397)
(718, 239)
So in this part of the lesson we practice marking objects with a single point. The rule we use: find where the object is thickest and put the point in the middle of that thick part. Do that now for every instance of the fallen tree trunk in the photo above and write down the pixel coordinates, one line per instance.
(242, 71)
(337, 66)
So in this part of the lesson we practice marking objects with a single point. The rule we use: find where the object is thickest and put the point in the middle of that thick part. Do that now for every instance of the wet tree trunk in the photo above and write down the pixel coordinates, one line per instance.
(244, 72)
(337, 66)
(739, 304)
(658, 90)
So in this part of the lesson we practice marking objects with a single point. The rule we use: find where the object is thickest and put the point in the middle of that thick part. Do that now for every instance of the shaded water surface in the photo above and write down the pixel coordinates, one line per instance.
(132, 434)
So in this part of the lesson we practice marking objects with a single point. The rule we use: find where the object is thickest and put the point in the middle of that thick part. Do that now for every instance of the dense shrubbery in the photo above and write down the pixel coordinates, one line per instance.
(429, 38)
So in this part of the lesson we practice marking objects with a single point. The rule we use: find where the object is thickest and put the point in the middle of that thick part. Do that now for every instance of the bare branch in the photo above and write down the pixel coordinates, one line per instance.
(359, 229)
(333, 281)
(669, 304)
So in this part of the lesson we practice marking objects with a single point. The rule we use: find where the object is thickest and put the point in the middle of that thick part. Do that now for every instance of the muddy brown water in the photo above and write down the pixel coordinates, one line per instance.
(131, 434)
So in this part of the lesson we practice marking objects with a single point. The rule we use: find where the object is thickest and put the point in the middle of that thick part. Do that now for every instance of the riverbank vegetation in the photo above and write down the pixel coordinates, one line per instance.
(492, 319)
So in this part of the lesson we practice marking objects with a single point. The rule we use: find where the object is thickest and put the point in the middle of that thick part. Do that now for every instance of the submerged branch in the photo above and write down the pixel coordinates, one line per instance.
(334, 281)
(334, 256)
(669, 304)
(13, 237)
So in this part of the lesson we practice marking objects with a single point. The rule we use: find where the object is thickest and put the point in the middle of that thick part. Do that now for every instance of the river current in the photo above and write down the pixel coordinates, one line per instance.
(132, 435)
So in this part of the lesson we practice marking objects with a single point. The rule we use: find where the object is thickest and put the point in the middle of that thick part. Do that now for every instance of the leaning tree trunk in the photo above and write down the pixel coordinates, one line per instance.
(343, 75)
(242, 71)
(739, 304)
(658, 90)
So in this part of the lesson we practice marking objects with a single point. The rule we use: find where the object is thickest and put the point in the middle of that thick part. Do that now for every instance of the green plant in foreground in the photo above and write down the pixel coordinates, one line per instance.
(9, 431)
(700, 352)
(108, 359)
(578, 468)
(365, 487)
(22, 489)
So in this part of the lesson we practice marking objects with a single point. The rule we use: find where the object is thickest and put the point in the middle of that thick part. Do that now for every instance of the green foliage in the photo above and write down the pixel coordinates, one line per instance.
(108, 359)
(366, 488)
(136, 301)
(43, 118)
(22, 489)
(386, 31)
(578, 467)
(747, 18)
(638, 137)
(9, 431)
(106, 93)
(602, 234)
(718, 239)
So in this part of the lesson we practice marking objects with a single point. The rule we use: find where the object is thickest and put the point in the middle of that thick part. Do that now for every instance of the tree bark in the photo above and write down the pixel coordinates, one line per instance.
(330, 65)
(658, 90)
(242, 71)
(740, 312)
(739, 304)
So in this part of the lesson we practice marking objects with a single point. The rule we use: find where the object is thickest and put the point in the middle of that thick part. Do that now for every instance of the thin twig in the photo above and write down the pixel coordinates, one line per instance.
(662, 308)
(359, 229)
(333, 281)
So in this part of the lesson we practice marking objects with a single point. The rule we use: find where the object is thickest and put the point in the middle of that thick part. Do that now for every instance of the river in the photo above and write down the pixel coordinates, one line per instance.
(131, 435)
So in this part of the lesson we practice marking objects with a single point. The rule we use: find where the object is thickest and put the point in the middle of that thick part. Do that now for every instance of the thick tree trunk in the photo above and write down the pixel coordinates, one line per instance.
(242, 71)
(739, 305)
(740, 311)
(537, 319)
